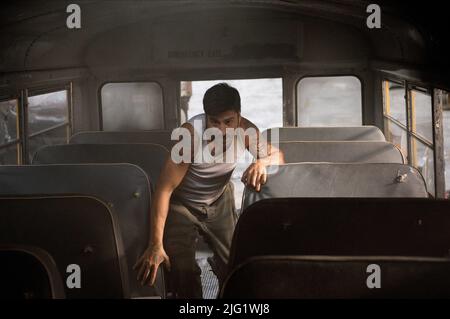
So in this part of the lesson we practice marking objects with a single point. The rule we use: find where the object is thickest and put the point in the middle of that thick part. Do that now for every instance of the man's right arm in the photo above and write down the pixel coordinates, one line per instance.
(170, 177)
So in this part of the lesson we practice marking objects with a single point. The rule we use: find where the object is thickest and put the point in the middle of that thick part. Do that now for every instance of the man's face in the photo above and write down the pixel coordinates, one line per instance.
(224, 120)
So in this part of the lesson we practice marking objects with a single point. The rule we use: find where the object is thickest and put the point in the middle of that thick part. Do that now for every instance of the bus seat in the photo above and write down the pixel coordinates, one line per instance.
(74, 230)
(28, 272)
(342, 226)
(349, 133)
(149, 157)
(341, 152)
(324, 277)
(161, 137)
(124, 187)
(339, 180)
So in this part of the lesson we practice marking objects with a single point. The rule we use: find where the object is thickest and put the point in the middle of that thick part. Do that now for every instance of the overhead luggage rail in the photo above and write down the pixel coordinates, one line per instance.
(341, 152)
(325, 277)
(149, 157)
(327, 133)
(161, 137)
(342, 226)
(78, 232)
(124, 187)
(339, 180)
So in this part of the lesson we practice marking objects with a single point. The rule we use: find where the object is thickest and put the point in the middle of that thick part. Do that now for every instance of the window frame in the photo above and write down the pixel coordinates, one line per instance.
(296, 91)
(423, 139)
(438, 102)
(33, 91)
(411, 135)
(18, 140)
(22, 95)
(389, 116)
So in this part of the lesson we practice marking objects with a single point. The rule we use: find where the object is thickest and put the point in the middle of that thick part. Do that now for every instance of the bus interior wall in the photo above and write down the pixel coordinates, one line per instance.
(125, 66)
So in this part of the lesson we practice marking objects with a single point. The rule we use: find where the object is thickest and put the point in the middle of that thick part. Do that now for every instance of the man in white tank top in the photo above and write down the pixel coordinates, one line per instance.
(194, 194)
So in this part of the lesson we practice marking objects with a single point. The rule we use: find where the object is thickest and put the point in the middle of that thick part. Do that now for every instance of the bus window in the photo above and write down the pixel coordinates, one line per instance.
(422, 125)
(261, 99)
(329, 101)
(132, 106)
(394, 102)
(48, 120)
(446, 129)
(410, 127)
(261, 103)
(397, 135)
(9, 142)
(422, 158)
(394, 110)
(421, 113)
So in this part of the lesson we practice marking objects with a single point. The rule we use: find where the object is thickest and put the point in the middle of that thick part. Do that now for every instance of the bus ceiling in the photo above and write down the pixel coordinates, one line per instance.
(168, 35)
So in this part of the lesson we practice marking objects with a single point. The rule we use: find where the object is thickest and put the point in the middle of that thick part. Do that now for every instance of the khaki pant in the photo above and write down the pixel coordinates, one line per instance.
(184, 224)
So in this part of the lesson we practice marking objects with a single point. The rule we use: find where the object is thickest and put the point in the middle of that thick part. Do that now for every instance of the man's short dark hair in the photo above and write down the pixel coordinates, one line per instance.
(221, 98)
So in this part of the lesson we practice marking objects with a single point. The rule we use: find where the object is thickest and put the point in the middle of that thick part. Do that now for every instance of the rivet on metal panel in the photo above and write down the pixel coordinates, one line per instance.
(88, 249)
(401, 177)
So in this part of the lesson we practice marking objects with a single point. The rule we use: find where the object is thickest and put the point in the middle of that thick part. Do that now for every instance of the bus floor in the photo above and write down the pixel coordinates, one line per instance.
(209, 280)
(210, 284)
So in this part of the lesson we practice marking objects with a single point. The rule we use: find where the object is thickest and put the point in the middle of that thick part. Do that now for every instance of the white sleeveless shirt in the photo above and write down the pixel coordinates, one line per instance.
(204, 182)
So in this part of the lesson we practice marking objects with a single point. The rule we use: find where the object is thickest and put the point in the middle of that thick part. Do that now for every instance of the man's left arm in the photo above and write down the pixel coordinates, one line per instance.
(264, 153)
